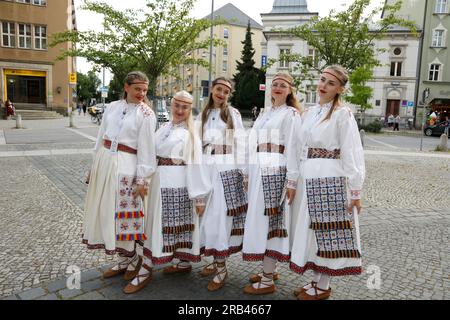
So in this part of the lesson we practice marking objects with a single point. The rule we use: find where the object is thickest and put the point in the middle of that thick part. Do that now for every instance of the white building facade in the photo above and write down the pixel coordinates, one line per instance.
(394, 81)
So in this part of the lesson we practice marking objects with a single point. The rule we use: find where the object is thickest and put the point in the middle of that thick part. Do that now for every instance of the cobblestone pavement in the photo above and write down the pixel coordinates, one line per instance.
(405, 230)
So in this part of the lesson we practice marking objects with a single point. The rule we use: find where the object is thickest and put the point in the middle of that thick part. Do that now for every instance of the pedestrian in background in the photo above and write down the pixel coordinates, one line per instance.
(10, 110)
(84, 108)
(267, 226)
(326, 239)
(223, 139)
(177, 198)
(124, 159)
(397, 121)
(79, 107)
(447, 125)
(391, 120)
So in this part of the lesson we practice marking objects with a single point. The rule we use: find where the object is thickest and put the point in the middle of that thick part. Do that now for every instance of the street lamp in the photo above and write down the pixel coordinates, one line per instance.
(211, 45)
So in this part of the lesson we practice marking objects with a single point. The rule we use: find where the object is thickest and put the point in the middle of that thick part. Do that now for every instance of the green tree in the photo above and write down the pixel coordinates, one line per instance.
(248, 78)
(87, 86)
(359, 92)
(151, 40)
(346, 38)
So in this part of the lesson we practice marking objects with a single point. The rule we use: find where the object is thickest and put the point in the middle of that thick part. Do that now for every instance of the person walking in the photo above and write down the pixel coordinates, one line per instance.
(391, 120)
(84, 106)
(10, 110)
(397, 121)
(267, 227)
(224, 159)
(326, 236)
(178, 186)
(124, 160)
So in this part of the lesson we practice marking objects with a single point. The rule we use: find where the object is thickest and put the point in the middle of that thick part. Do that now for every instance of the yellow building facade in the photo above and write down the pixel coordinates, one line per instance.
(30, 76)
(194, 78)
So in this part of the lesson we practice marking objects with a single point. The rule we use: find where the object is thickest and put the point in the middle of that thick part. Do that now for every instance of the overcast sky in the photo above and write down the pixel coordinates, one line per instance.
(253, 8)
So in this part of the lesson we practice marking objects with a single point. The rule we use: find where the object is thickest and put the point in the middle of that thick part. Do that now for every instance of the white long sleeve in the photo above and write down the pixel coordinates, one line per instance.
(197, 182)
(146, 151)
(240, 141)
(102, 129)
(292, 149)
(352, 153)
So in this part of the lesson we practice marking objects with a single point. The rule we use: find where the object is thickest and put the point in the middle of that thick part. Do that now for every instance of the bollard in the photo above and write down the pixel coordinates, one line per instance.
(443, 143)
(362, 135)
(71, 120)
(19, 121)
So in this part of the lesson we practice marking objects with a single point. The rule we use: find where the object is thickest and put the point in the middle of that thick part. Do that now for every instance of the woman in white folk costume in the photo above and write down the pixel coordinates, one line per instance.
(267, 227)
(223, 139)
(177, 186)
(332, 170)
(124, 158)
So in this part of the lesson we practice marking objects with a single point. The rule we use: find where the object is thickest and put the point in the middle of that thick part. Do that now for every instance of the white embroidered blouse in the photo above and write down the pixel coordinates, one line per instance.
(132, 125)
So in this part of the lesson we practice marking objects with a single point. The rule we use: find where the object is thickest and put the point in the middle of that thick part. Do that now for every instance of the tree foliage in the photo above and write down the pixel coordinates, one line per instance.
(346, 38)
(87, 86)
(248, 78)
(152, 40)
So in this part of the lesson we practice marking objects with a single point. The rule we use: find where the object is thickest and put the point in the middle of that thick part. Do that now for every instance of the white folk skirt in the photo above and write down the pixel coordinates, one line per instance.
(99, 227)
(333, 252)
(217, 236)
(169, 182)
(256, 241)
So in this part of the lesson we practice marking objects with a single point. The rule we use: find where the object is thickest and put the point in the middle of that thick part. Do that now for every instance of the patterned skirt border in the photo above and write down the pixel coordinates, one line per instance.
(109, 252)
(331, 272)
(176, 255)
(220, 254)
(269, 253)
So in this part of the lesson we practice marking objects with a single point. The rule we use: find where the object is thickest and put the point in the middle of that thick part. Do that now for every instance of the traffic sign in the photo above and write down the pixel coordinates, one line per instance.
(73, 78)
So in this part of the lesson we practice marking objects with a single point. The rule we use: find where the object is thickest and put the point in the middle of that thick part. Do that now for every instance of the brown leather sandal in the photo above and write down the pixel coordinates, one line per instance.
(213, 286)
(301, 289)
(130, 288)
(249, 289)
(317, 296)
(257, 277)
(112, 273)
(206, 271)
(176, 269)
(131, 274)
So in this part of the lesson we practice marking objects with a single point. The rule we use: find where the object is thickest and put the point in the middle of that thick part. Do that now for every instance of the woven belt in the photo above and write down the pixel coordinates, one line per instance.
(170, 162)
(120, 147)
(218, 149)
(316, 153)
(270, 147)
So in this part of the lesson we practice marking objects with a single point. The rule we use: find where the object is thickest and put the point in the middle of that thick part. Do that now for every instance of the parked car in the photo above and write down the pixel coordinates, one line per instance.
(435, 130)
(163, 115)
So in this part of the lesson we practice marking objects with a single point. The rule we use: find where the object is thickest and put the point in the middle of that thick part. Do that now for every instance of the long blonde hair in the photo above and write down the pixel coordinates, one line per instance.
(189, 122)
(224, 112)
(291, 99)
(342, 74)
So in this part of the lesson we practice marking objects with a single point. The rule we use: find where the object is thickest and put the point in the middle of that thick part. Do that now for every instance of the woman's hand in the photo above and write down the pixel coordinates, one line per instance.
(290, 195)
(141, 190)
(200, 210)
(355, 204)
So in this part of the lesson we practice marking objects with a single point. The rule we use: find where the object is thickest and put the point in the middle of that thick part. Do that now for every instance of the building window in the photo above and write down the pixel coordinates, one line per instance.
(434, 72)
(441, 6)
(40, 2)
(396, 69)
(225, 51)
(8, 34)
(25, 36)
(225, 33)
(311, 94)
(314, 58)
(284, 63)
(24, 1)
(438, 39)
(225, 66)
(40, 37)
